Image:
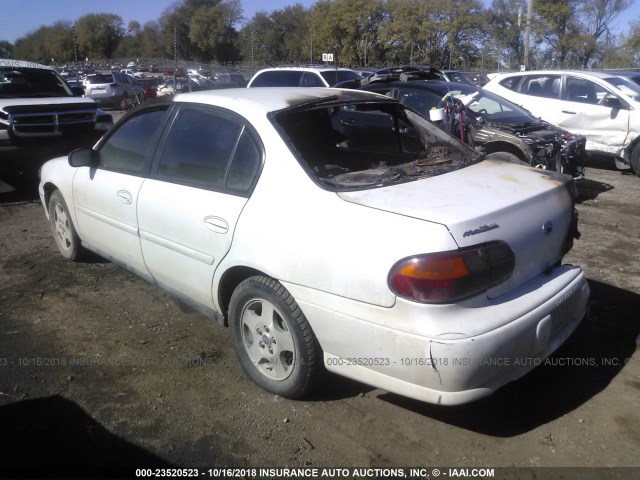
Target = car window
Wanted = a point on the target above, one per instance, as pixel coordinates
(459, 77)
(420, 101)
(131, 144)
(246, 164)
(311, 79)
(547, 86)
(494, 108)
(582, 90)
(99, 78)
(368, 145)
(199, 148)
(277, 78)
(511, 82)
(627, 87)
(31, 82)
(333, 77)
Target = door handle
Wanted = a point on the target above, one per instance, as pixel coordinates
(570, 113)
(124, 196)
(216, 224)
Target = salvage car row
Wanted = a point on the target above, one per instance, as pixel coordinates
(332, 228)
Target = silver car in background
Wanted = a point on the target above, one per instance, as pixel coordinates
(115, 90)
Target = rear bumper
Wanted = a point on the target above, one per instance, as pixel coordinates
(452, 368)
(107, 99)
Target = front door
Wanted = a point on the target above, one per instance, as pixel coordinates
(106, 195)
(585, 112)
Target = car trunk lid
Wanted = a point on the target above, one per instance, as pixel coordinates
(530, 209)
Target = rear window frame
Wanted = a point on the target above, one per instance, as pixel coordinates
(471, 156)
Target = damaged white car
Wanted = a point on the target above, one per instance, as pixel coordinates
(332, 229)
(602, 106)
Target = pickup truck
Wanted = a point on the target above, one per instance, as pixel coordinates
(42, 117)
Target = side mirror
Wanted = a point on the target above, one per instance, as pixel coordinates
(614, 103)
(83, 157)
(78, 91)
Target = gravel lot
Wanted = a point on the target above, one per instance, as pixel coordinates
(100, 370)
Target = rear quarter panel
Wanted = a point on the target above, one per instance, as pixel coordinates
(295, 231)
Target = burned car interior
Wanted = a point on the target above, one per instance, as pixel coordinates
(366, 145)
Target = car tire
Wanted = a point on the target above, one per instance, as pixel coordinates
(64, 233)
(635, 160)
(272, 338)
(125, 103)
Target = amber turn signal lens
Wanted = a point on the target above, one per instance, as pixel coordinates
(449, 276)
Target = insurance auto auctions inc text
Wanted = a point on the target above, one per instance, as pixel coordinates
(428, 473)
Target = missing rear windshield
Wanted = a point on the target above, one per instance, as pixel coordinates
(369, 145)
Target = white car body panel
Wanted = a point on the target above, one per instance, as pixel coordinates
(185, 232)
(107, 218)
(318, 220)
(541, 316)
(333, 253)
(506, 207)
(607, 130)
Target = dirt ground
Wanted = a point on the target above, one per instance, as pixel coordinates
(103, 372)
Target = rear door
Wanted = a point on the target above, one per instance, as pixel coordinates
(188, 208)
(540, 94)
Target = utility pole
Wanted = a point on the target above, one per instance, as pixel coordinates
(527, 32)
(175, 59)
(75, 48)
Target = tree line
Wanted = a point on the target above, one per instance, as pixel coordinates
(459, 34)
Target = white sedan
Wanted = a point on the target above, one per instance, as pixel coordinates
(332, 229)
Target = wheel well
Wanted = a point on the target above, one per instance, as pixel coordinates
(49, 188)
(631, 146)
(228, 283)
(505, 147)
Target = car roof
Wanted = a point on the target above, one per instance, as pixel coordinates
(557, 72)
(270, 99)
(8, 62)
(439, 86)
(621, 73)
(303, 68)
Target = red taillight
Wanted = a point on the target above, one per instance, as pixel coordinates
(449, 276)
